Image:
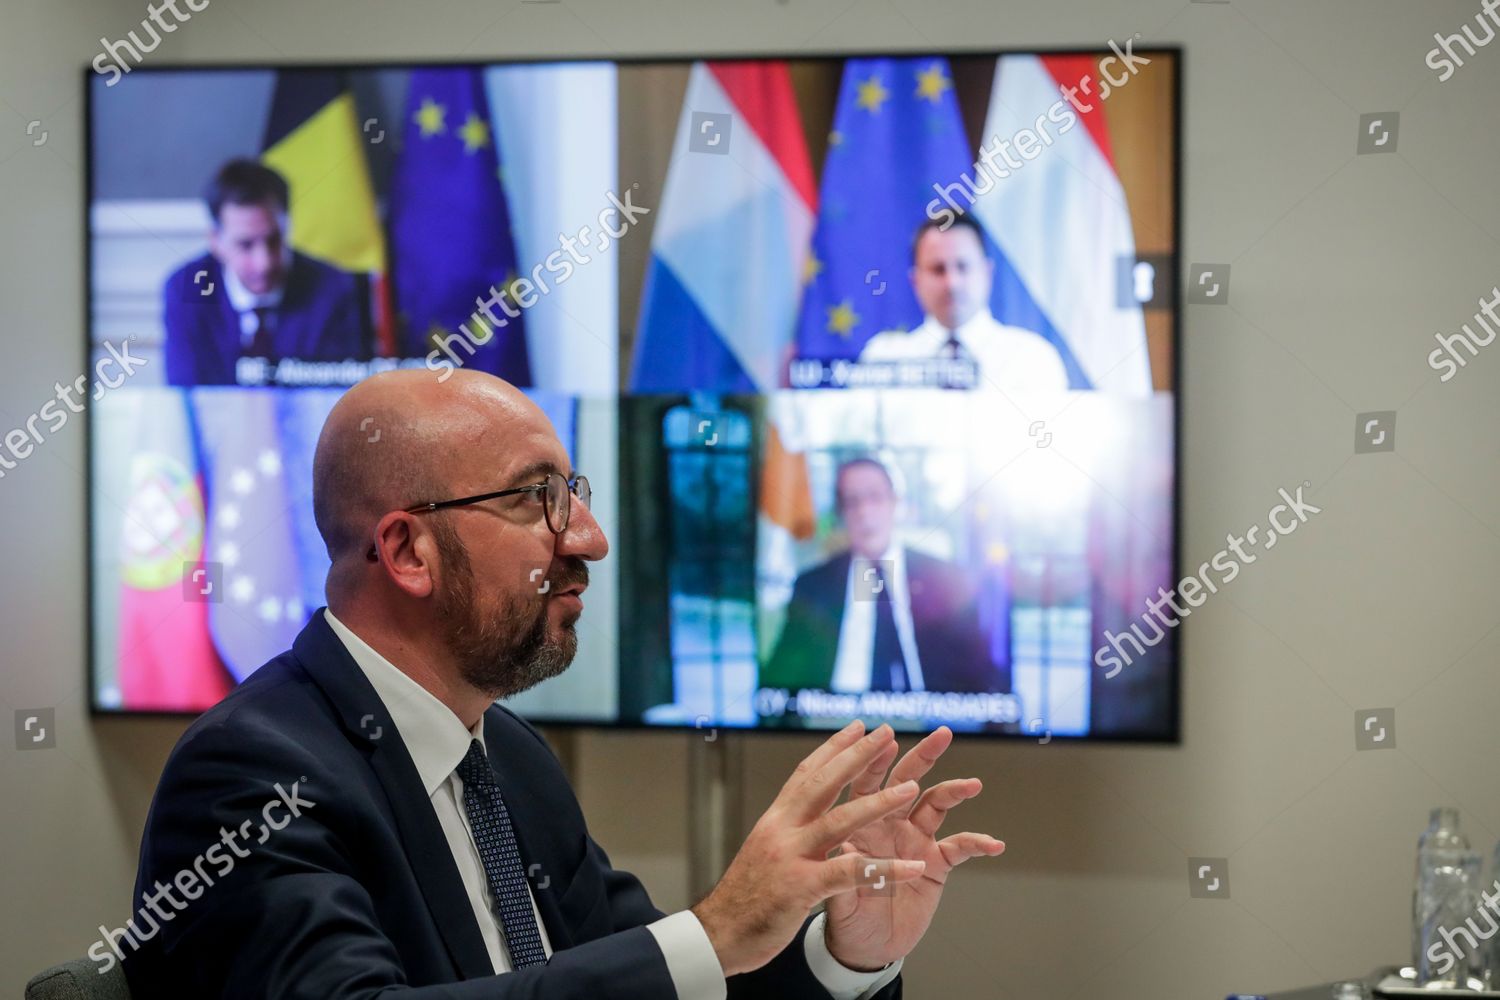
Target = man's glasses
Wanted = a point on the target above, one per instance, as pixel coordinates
(556, 499)
(556, 502)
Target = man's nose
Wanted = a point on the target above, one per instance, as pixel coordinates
(583, 537)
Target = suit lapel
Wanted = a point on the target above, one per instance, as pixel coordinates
(834, 592)
(366, 721)
(289, 317)
(224, 334)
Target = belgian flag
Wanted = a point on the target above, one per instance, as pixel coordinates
(315, 141)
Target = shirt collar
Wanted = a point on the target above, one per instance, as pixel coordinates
(976, 324)
(243, 299)
(892, 554)
(434, 736)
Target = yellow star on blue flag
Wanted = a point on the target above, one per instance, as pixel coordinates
(899, 132)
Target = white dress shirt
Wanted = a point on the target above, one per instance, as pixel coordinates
(245, 302)
(437, 742)
(1009, 358)
(856, 652)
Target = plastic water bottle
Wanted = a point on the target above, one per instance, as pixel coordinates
(1442, 831)
(1490, 974)
(1446, 877)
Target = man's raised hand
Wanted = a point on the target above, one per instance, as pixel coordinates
(867, 929)
(783, 869)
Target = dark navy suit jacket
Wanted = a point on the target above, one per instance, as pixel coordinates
(359, 896)
(321, 318)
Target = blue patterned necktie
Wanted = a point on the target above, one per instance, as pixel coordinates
(496, 840)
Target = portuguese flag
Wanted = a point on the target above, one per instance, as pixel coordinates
(165, 655)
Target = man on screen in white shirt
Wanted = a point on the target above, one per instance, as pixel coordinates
(952, 276)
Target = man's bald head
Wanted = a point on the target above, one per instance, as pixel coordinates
(478, 600)
(399, 439)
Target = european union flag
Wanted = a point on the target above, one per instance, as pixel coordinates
(251, 537)
(450, 229)
(896, 132)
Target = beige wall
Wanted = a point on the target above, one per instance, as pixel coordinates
(1343, 269)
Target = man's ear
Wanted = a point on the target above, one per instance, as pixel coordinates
(215, 244)
(407, 553)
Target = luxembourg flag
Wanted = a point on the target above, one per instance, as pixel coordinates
(732, 237)
(1062, 224)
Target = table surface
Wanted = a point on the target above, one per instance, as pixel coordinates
(1324, 991)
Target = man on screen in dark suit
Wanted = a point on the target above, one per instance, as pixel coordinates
(880, 617)
(359, 819)
(251, 295)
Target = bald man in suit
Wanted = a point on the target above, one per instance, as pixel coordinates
(360, 819)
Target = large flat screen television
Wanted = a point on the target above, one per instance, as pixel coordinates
(871, 361)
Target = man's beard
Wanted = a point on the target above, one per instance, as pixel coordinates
(502, 650)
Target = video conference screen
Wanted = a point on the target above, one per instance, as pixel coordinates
(869, 362)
